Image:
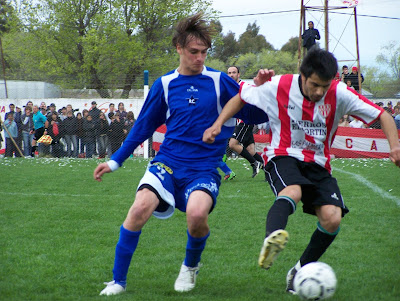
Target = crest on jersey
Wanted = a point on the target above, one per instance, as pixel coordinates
(325, 110)
(192, 100)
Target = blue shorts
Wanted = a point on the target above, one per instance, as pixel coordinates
(174, 184)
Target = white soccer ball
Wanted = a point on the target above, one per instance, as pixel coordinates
(315, 281)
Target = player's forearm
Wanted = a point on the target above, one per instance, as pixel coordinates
(389, 129)
(234, 105)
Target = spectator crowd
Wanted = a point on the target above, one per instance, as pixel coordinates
(87, 134)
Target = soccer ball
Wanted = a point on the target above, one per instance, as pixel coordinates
(315, 281)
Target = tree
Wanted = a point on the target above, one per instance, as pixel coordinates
(391, 58)
(291, 46)
(252, 42)
(100, 44)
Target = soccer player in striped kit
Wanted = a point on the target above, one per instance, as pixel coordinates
(184, 172)
(304, 111)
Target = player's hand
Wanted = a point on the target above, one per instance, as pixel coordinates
(263, 76)
(100, 170)
(395, 155)
(210, 134)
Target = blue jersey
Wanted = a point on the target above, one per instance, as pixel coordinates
(188, 105)
(39, 120)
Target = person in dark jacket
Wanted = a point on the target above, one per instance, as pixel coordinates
(102, 131)
(353, 76)
(116, 132)
(70, 128)
(89, 129)
(310, 35)
(55, 131)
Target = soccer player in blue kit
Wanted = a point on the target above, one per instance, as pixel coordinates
(184, 173)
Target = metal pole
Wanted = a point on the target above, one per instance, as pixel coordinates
(300, 32)
(326, 26)
(147, 144)
(4, 68)
(357, 49)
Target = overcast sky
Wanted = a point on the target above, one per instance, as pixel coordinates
(280, 27)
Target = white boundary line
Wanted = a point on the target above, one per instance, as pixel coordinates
(370, 185)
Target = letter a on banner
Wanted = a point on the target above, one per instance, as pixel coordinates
(374, 146)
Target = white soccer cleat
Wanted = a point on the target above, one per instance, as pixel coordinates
(112, 288)
(186, 279)
(272, 246)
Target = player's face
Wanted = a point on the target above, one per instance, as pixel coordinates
(314, 87)
(233, 73)
(192, 57)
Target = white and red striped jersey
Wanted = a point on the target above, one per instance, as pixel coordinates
(303, 129)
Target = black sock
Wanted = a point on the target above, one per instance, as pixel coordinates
(245, 154)
(320, 241)
(33, 150)
(259, 158)
(278, 214)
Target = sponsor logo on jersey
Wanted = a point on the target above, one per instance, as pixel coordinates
(192, 89)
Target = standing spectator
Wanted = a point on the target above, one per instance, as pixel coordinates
(345, 73)
(309, 36)
(17, 119)
(27, 130)
(52, 109)
(43, 107)
(55, 132)
(39, 123)
(11, 106)
(89, 128)
(358, 124)
(70, 129)
(121, 111)
(11, 133)
(102, 135)
(129, 122)
(353, 76)
(62, 113)
(116, 132)
(390, 107)
(94, 111)
(80, 135)
(344, 121)
(111, 109)
(397, 117)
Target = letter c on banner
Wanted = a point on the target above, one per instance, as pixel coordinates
(349, 143)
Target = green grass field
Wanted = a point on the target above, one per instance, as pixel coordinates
(59, 229)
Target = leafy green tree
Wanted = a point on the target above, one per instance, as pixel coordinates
(251, 41)
(98, 44)
(391, 58)
(380, 83)
(291, 46)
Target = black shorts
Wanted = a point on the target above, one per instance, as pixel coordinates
(318, 187)
(244, 134)
(38, 133)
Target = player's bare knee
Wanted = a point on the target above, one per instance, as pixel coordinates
(329, 217)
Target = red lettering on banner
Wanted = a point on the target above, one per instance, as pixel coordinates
(3, 109)
(349, 143)
(373, 145)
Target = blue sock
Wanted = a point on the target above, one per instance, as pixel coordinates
(194, 248)
(126, 246)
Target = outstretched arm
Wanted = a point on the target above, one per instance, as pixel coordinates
(390, 130)
(231, 108)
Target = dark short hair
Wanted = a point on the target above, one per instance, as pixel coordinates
(345, 66)
(192, 27)
(320, 62)
(238, 70)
